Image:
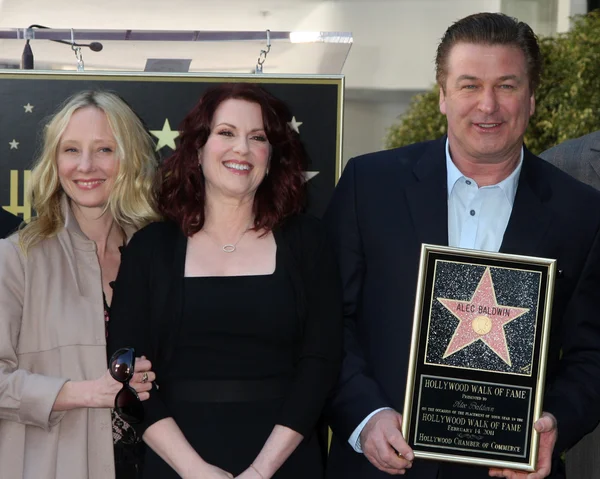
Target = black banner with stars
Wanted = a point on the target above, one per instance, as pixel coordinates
(28, 99)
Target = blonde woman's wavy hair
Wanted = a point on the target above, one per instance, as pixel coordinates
(132, 201)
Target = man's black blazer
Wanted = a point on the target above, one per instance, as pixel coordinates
(385, 206)
(8, 223)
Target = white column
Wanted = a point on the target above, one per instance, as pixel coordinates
(566, 9)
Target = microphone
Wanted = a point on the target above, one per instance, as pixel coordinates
(27, 56)
(94, 46)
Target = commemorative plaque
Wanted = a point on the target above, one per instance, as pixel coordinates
(478, 356)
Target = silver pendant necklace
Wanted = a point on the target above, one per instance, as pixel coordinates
(229, 247)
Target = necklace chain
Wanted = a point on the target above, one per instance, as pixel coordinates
(229, 247)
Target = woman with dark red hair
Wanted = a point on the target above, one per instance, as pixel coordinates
(235, 299)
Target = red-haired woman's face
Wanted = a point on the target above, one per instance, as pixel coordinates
(236, 155)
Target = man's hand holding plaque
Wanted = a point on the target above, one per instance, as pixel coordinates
(546, 426)
(383, 444)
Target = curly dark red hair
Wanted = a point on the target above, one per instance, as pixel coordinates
(282, 193)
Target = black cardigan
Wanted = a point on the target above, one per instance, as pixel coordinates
(146, 311)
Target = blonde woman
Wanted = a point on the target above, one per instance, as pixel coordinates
(92, 188)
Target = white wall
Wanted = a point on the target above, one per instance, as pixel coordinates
(568, 8)
(541, 15)
(394, 40)
(367, 117)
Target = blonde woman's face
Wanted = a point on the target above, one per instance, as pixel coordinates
(87, 161)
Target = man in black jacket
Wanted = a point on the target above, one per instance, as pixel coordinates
(476, 188)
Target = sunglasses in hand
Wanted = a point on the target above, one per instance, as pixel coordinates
(127, 402)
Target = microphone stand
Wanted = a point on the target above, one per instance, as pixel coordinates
(27, 62)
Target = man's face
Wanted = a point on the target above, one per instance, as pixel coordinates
(487, 102)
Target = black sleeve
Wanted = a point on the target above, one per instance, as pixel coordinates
(357, 394)
(319, 360)
(130, 322)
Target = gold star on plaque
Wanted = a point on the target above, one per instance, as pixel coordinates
(14, 145)
(28, 108)
(166, 136)
(295, 125)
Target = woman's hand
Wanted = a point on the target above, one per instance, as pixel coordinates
(208, 471)
(250, 473)
(106, 388)
(143, 377)
(101, 392)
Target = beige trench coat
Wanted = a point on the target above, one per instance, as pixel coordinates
(51, 331)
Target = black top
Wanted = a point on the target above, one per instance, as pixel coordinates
(148, 303)
(237, 328)
(8, 223)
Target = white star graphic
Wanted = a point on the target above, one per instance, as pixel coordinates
(309, 175)
(166, 136)
(14, 145)
(28, 108)
(295, 125)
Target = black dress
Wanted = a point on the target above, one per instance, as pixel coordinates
(230, 371)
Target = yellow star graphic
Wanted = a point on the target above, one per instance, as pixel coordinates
(166, 136)
(28, 108)
(14, 145)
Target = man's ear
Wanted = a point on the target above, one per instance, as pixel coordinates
(442, 100)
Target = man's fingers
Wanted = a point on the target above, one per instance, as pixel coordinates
(394, 472)
(382, 466)
(390, 460)
(382, 442)
(546, 423)
(384, 455)
(396, 440)
(506, 473)
(543, 470)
